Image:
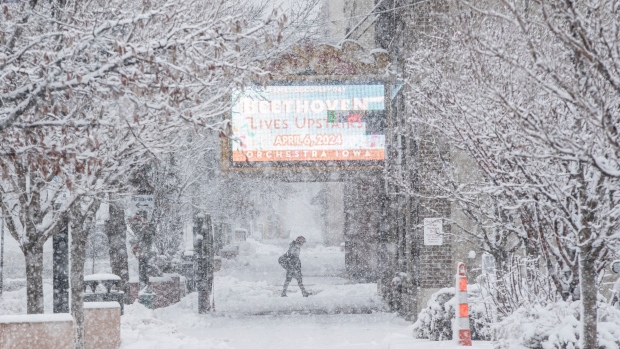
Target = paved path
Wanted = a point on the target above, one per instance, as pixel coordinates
(252, 284)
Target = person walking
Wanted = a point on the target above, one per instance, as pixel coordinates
(291, 262)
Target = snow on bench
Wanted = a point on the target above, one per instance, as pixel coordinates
(102, 277)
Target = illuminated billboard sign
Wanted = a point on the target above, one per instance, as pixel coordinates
(309, 123)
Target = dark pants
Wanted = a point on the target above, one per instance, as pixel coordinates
(290, 274)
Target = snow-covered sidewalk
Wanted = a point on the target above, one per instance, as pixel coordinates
(179, 327)
(238, 297)
(252, 284)
(250, 313)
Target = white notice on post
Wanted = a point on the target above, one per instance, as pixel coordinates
(433, 232)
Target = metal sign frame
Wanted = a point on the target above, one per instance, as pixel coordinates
(293, 166)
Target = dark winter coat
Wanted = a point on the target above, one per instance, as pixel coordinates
(290, 260)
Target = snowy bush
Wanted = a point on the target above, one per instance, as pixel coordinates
(554, 326)
(435, 321)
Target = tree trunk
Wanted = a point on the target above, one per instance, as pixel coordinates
(60, 244)
(34, 278)
(78, 258)
(589, 311)
(116, 230)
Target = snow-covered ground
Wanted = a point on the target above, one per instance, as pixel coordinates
(14, 302)
(252, 283)
(251, 314)
(179, 327)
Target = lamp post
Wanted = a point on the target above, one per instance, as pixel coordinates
(615, 291)
(199, 264)
(2, 256)
(142, 250)
(203, 249)
(145, 230)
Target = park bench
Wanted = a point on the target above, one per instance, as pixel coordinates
(111, 293)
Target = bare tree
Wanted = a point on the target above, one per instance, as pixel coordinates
(526, 90)
(91, 91)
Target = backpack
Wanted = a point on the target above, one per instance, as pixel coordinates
(285, 261)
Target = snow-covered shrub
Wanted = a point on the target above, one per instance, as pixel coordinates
(435, 321)
(608, 326)
(395, 292)
(554, 326)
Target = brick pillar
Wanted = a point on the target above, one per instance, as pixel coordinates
(363, 213)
